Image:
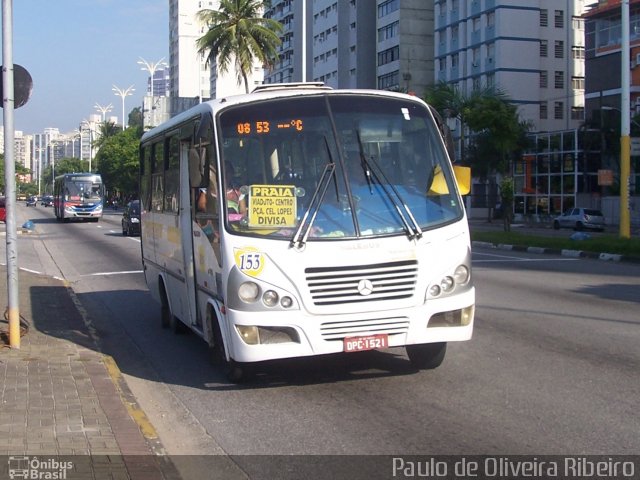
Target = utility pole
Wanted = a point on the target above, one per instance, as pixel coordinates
(13, 307)
(625, 125)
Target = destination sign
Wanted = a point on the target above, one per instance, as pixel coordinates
(264, 127)
(272, 206)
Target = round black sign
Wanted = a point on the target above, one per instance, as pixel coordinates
(22, 86)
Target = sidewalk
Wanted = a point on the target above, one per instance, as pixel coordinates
(60, 398)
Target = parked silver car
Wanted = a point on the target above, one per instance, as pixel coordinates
(580, 219)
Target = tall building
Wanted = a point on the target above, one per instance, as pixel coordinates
(192, 79)
(532, 50)
(289, 65)
(188, 69)
(405, 45)
(161, 83)
(338, 49)
(603, 39)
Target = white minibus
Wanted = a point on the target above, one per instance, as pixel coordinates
(300, 220)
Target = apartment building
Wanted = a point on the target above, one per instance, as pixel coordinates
(188, 70)
(533, 50)
(351, 45)
(192, 77)
(603, 37)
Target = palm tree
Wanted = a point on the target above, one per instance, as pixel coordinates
(450, 102)
(237, 33)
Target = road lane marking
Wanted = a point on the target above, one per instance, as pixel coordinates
(503, 258)
(125, 272)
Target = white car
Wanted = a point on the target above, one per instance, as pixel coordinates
(580, 219)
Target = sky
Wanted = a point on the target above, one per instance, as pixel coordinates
(77, 50)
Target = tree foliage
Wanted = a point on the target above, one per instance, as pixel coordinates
(20, 170)
(62, 166)
(237, 34)
(493, 123)
(500, 134)
(106, 129)
(118, 162)
(135, 118)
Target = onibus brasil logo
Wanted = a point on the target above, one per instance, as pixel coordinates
(34, 468)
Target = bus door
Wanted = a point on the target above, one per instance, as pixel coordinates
(186, 227)
(205, 225)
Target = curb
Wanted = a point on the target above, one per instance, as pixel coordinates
(610, 257)
(134, 409)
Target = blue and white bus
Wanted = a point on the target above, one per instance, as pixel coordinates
(79, 196)
(300, 220)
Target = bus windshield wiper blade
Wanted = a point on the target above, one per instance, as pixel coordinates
(413, 228)
(302, 233)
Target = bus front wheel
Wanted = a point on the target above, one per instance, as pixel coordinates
(236, 372)
(427, 356)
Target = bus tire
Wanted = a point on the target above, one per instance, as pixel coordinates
(165, 311)
(168, 319)
(427, 356)
(236, 372)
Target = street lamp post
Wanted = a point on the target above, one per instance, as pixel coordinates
(86, 126)
(123, 94)
(76, 135)
(103, 109)
(152, 68)
(52, 143)
(39, 151)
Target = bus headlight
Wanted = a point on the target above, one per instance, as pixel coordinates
(453, 318)
(286, 302)
(461, 275)
(270, 298)
(249, 334)
(248, 292)
(434, 290)
(255, 335)
(449, 283)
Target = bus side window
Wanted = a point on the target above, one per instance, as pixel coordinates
(206, 203)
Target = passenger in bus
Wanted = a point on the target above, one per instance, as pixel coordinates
(236, 200)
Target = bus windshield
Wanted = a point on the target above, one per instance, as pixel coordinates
(388, 171)
(82, 190)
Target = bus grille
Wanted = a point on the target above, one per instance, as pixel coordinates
(362, 283)
(338, 330)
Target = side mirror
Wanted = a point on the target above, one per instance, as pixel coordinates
(438, 184)
(463, 179)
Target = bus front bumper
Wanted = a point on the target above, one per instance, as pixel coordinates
(273, 335)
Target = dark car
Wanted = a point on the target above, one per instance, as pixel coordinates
(32, 201)
(47, 201)
(131, 218)
(3, 210)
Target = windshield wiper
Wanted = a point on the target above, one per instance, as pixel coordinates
(302, 232)
(413, 229)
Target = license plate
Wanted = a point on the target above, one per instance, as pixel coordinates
(359, 344)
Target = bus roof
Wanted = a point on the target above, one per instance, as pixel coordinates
(265, 92)
(79, 174)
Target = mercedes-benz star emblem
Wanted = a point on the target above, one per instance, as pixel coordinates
(365, 287)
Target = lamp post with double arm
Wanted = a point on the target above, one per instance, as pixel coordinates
(123, 93)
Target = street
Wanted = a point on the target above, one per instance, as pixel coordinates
(552, 367)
